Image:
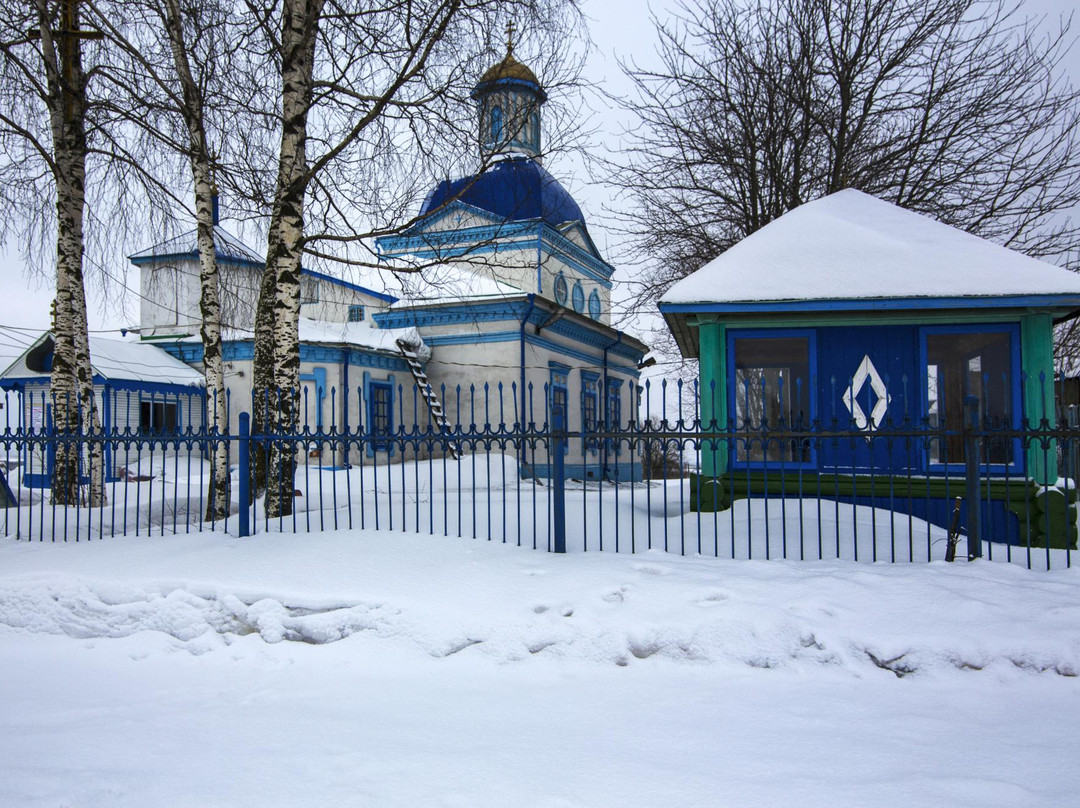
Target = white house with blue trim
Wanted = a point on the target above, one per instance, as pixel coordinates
(140, 390)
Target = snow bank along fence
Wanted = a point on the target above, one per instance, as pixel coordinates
(577, 476)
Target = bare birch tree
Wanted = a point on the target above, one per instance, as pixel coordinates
(173, 49)
(44, 80)
(357, 82)
(191, 109)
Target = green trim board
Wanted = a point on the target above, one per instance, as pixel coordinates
(713, 391)
(1046, 515)
(1037, 363)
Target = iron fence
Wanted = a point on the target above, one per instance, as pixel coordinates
(898, 492)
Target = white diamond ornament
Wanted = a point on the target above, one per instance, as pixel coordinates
(867, 372)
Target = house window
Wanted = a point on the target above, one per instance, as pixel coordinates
(594, 305)
(962, 365)
(560, 396)
(590, 410)
(561, 290)
(772, 391)
(309, 290)
(579, 298)
(380, 406)
(158, 418)
(613, 412)
(614, 404)
(356, 314)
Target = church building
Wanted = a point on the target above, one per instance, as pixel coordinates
(504, 313)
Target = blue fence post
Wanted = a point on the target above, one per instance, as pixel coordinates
(558, 479)
(244, 514)
(971, 457)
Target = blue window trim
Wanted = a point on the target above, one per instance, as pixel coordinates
(595, 309)
(590, 380)
(578, 297)
(374, 445)
(357, 310)
(613, 414)
(560, 380)
(1015, 399)
(810, 335)
(562, 289)
(318, 377)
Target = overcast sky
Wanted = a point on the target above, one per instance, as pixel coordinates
(620, 29)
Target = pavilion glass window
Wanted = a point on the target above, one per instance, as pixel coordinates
(772, 393)
(963, 365)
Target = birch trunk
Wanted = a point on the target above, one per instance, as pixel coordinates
(217, 506)
(75, 410)
(277, 322)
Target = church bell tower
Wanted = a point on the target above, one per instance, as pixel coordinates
(509, 98)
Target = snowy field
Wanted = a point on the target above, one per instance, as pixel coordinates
(357, 668)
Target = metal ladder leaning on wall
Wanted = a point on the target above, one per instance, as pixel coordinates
(427, 392)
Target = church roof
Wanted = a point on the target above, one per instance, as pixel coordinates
(509, 68)
(514, 189)
(227, 247)
(852, 246)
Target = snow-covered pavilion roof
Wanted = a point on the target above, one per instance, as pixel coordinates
(850, 245)
(114, 361)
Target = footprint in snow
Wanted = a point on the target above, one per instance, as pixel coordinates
(616, 595)
(653, 569)
(712, 599)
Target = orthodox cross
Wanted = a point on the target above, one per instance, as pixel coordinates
(510, 29)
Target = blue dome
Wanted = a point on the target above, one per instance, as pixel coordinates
(514, 189)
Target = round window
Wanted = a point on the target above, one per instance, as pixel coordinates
(560, 290)
(594, 305)
(579, 297)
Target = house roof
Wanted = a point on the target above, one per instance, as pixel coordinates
(112, 360)
(852, 246)
(229, 248)
(226, 245)
(13, 344)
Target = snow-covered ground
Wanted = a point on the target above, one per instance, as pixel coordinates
(363, 668)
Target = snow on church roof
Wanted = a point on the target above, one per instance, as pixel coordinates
(115, 361)
(450, 283)
(850, 245)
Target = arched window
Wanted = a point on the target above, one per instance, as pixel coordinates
(560, 290)
(594, 305)
(496, 124)
(579, 298)
(534, 130)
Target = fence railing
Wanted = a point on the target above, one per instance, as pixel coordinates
(902, 492)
